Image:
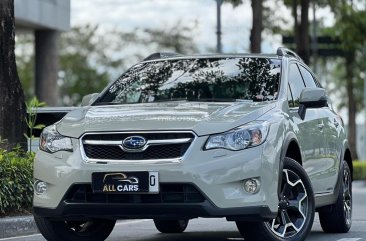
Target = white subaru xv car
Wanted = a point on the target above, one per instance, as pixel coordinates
(252, 138)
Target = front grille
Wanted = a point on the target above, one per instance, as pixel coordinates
(169, 193)
(153, 152)
(164, 150)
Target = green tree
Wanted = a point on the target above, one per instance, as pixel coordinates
(177, 38)
(91, 57)
(85, 65)
(350, 28)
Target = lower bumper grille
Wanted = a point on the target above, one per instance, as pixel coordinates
(169, 193)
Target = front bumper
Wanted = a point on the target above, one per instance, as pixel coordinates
(218, 174)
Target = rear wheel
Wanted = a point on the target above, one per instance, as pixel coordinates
(171, 226)
(295, 210)
(90, 230)
(337, 218)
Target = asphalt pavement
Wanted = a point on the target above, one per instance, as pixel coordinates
(221, 230)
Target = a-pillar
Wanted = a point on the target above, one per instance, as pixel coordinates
(47, 66)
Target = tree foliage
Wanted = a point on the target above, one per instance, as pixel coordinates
(350, 28)
(91, 57)
(235, 3)
(16, 182)
(178, 38)
(84, 63)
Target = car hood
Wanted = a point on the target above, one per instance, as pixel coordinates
(201, 117)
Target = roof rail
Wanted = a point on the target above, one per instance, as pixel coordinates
(282, 51)
(160, 55)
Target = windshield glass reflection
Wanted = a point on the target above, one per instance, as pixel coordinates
(215, 79)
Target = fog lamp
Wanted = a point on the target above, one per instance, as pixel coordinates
(40, 187)
(252, 185)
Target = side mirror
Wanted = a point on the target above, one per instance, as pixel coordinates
(312, 98)
(88, 99)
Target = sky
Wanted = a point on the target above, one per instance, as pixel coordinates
(131, 14)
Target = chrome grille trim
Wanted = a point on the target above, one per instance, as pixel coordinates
(109, 143)
(149, 143)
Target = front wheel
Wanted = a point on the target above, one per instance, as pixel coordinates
(171, 226)
(84, 230)
(296, 209)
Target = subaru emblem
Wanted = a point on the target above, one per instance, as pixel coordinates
(134, 142)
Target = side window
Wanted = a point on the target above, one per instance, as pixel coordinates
(308, 77)
(296, 84)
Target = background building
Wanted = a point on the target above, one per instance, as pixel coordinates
(46, 19)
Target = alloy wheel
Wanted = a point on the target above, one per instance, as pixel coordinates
(293, 206)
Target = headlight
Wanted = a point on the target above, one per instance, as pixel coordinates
(51, 141)
(249, 135)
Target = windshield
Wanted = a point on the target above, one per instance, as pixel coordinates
(200, 79)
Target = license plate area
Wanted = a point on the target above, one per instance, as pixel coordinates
(125, 182)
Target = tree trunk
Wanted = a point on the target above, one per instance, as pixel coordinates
(303, 47)
(12, 107)
(352, 138)
(256, 32)
(296, 24)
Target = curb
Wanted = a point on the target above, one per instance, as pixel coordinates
(17, 226)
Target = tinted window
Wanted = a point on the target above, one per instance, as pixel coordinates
(255, 79)
(296, 84)
(308, 77)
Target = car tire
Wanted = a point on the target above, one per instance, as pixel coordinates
(337, 218)
(91, 230)
(171, 226)
(296, 209)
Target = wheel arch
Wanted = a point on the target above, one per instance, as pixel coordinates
(291, 149)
